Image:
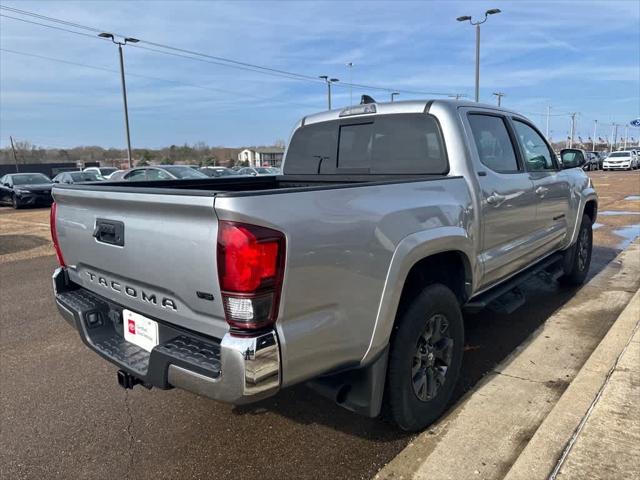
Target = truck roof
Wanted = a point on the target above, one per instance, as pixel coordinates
(403, 106)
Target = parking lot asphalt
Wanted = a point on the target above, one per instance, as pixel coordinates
(64, 416)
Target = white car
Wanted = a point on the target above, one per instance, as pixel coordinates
(103, 173)
(624, 160)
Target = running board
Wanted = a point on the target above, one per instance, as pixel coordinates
(483, 300)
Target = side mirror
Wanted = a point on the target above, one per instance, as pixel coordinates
(571, 158)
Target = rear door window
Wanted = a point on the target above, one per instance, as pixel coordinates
(493, 143)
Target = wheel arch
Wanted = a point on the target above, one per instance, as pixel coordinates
(443, 255)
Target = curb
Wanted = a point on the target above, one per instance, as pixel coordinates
(554, 438)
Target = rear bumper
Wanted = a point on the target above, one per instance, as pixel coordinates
(234, 370)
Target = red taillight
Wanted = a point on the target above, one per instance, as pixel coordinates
(54, 233)
(250, 271)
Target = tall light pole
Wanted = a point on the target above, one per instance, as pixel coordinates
(548, 115)
(350, 65)
(124, 86)
(499, 96)
(393, 95)
(464, 18)
(329, 81)
(595, 132)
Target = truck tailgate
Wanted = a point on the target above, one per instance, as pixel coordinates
(166, 265)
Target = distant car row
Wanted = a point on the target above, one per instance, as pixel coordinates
(34, 189)
(621, 160)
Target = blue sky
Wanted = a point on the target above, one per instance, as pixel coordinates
(576, 56)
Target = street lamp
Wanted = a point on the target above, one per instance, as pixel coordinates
(329, 81)
(393, 95)
(124, 86)
(465, 18)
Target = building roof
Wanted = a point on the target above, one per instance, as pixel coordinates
(266, 149)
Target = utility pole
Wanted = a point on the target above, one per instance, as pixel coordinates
(595, 130)
(615, 137)
(13, 148)
(124, 86)
(477, 24)
(611, 149)
(573, 129)
(499, 96)
(626, 134)
(548, 115)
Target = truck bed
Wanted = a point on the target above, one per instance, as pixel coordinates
(241, 186)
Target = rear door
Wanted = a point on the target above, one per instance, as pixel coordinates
(163, 264)
(551, 186)
(508, 203)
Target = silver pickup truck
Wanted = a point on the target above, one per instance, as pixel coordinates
(350, 271)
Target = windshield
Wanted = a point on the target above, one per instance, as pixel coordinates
(30, 179)
(184, 172)
(84, 176)
(263, 170)
(620, 154)
(104, 171)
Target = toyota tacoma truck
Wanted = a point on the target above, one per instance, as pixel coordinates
(350, 271)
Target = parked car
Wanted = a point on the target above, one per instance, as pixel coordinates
(77, 177)
(597, 159)
(255, 171)
(218, 171)
(350, 271)
(25, 189)
(161, 172)
(590, 160)
(621, 160)
(103, 173)
(116, 176)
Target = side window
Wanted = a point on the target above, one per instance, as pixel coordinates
(493, 143)
(137, 176)
(153, 174)
(537, 155)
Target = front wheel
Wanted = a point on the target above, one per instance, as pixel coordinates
(578, 257)
(14, 202)
(425, 358)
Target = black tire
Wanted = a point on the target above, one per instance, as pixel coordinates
(410, 406)
(14, 202)
(578, 257)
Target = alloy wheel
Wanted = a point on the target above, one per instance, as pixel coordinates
(434, 352)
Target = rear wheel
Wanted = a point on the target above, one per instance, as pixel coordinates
(578, 257)
(425, 358)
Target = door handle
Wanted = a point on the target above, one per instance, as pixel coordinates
(541, 191)
(495, 199)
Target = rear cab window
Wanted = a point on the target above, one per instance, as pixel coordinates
(394, 144)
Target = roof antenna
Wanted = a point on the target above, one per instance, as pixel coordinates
(365, 99)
